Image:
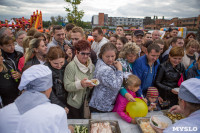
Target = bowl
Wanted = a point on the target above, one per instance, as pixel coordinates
(158, 122)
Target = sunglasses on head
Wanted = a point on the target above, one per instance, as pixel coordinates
(83, 53)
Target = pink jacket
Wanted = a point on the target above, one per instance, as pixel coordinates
(120, 106)
(21, 63)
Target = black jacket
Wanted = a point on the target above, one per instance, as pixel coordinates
(59, 94)
(8, 86)
(32, 61)
(167, 79)
(192, 72)
(12, 59)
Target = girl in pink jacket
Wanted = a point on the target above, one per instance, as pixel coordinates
(131, 84)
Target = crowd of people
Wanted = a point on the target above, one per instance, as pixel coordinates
(61, 64)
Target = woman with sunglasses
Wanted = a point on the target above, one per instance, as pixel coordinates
(76, 76)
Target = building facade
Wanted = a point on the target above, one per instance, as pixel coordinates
(192, 23)
(104, 20)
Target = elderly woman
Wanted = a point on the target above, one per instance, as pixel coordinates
(191, 55)
(128, 55)
(169, 74)
(109, 73)
(76, 76)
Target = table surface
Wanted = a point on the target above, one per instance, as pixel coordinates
(125, 127)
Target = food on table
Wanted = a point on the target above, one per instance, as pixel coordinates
(80, 129)
(159, 123)
(174, 117)
(101, 127)
(146, 127)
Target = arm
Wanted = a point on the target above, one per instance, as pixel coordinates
(63, 125)
(111, 79)
(159, 78)
(69, 79)
(123, 91)
(121, 110)
(138, 72)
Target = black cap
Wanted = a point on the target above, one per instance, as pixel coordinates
(139, 33)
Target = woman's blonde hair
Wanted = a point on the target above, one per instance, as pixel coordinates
(34, 43)
(193, 43)
(26, 41)
(132, 80)
(129, 48)
(4, 67)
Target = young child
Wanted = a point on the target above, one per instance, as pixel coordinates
(152, 99)
(131, 84)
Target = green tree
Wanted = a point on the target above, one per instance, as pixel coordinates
(74, 16)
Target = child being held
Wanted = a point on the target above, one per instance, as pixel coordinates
(131, 84)
(152, 99)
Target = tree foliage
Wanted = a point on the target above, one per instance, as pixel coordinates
(74, 16)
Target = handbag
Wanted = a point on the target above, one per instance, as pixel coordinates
(86, 108)
(180, 80)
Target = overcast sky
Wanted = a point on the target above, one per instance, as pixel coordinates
(114, 8)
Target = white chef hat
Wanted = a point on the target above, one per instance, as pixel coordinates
(190, 90)
(36, 78)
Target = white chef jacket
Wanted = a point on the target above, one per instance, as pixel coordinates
(44, 118)
(190, 124)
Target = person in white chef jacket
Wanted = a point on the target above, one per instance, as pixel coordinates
(32, 111)
(189, 106)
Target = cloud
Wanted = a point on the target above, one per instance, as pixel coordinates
(117, 8)
(169, 9)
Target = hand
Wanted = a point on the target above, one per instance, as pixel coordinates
(118, 65)
(145, 100)
(175, 109)
(174, 92)
(69, 52)
(16, 75)
(160, 100)
(71, 128)
(129, 97)
(66, 110)
(66, 47)
(85, 83)
(133, 121)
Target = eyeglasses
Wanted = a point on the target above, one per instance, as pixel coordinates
(83, 53)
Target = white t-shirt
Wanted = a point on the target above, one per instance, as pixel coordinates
(96, 46)
(19, 48)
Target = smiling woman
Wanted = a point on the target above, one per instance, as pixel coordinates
(169, 74)
(56, 62)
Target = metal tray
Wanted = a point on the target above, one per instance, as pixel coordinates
(142, 119)
(114, 125)
(165, 112)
